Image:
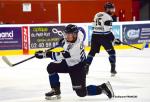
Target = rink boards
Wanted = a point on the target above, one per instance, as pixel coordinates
(18, 39)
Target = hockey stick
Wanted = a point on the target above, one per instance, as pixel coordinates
(143, 45)
(5, 59)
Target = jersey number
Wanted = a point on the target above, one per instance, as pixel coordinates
(98, 21)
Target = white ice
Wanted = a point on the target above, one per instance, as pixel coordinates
(28, 82)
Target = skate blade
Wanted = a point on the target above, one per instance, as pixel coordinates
(53, 97)
(113, 75)
(110, 88)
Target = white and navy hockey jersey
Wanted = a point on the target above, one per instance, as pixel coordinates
(102, 23)
(73, 52)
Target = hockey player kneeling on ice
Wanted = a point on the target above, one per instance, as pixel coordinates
(71, 61)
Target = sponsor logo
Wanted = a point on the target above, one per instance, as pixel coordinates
(7, 35)
(55, 31)
(133, 34)
(25, 40)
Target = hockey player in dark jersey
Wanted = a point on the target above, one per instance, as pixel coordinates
(71, 61)
(103, 36)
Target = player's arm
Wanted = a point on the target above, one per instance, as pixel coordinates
(52, 55)
(58, 55)
(75, 53)
(107, 20)
(45, 54)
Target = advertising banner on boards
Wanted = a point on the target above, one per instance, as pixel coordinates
(136, 33)
(45, 36)
(10, 38)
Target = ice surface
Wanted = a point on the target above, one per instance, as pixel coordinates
(28, 82)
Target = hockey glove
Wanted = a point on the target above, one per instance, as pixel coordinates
(40, 54)
(117, 41)
(49, 54)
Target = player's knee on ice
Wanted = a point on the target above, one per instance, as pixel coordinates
(90, 90)
(81, 92)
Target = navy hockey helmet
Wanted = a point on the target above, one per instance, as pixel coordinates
(109, 5)
(71, 29)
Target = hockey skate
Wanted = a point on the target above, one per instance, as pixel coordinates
(113, 71)
(107, 89)
(54, 94)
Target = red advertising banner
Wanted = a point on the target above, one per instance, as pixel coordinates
(25, 40)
